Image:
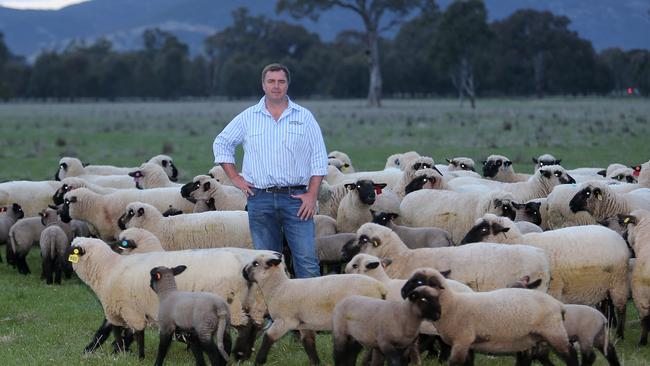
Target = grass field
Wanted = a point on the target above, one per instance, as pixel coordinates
(50, 325)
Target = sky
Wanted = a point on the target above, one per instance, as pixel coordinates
(38, 4)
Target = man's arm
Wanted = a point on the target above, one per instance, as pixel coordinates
(237, 180)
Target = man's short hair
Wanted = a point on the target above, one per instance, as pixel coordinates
(276, 67)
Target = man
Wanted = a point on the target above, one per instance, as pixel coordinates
(284, 163)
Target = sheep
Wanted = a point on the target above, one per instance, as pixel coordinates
(354, 209)
(203, 314)
(211, 229)
(413, 237)
(544, 160)
(136, 240)
(328, 250)
(398, 161)
(390, 177)
(584, 325)
(219, 197)
(601, 202)
(72, 183)
(557, 214)
(391, 327)
(104, 271)
(324, 225)
(460, 163)
(501, 321)
(499, 168)
(624, 174)
(426, 179)
(338, 164)
(8, 216)
(220, 175)
(33, 197)
(150, 175)
(526, 227)
(23, 235)
(589, 264)
(641, 173)
(346, 166)
(473, 265)
(54, 243)
(423, 162)
(452, 211)
(637, 224)
(103, 211)
(329, 198)
(304, 304)
(72, 167)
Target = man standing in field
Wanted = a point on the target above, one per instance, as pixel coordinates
(284, 163)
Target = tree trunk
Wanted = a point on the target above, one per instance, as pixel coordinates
(538, 70)
(374, 89)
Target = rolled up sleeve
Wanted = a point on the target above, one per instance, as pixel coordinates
(318, 161)
(226, 142)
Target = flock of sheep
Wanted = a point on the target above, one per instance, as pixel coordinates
(437, 258)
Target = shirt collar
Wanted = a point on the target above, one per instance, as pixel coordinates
(261, 106)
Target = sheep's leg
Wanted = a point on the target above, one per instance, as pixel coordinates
(376, 357)
(523, 359)
(100, 336)
(588, 358)
(267, 342)
(564, 349)
(57, 272)
(245, 340)
(346, 350)
(163, 346)
(46, 271)
(458, 354)
(645, 327)
(620, 316)
(445, 350)
(308, 339)
(118, 344)
(196, 350)
(395, 358)
(139, 340)
(21, 264)
(610, 355)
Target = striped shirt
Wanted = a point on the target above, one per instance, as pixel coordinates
(283, 153)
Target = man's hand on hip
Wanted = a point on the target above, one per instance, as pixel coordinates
(308, 207)
(242, 184)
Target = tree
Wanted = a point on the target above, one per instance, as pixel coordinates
(371, 12)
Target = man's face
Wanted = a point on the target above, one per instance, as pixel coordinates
(275, 85)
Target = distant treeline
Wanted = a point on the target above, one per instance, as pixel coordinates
(434, 54)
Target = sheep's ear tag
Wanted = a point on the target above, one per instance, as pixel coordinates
(377, 190)
(599, 196)
(626, 221)
(157, 276)
(124, 244)
(375, 243)
(74, 257)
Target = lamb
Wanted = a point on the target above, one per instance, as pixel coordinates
(601, 202)
(54, 243)
(103, 211)
(529, 212)
(637, 224)
(413, 237)
(584, 325)
(328, 250)
(391, 327)
(499, 168)
(204, 315)
(304, 304)
(150, 175)
(72, 167)
(343, 158)
(589, 264)
(544, 160)
(211, 229)
(33, 197)
(557, 214)
(501, 321)
(354, 209)
(452, 211)
(473, 265)
(215, 270)
(218, 197)
(398, 161)
(9, 216)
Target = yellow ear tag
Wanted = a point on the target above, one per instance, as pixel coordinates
(627, 220)
(599, 197)
(375, 243)
(73, 258)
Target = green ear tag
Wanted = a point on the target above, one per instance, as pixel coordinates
(124, 243)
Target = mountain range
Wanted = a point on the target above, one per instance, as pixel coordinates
(606, 23)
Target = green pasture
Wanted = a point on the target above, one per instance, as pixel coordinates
(50, 325)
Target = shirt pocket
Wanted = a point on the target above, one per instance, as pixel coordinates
(295, 137)
(255, 139)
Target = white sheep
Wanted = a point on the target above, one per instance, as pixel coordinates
(452, 211)
(217, 196)
(460, 163)
(354, 209)
(624, 175)
(346, 166)
(589, 263)
(220, 175)
(501, 321)
(408, 174)
(473, 265)
(499, 168)
(304, 304)
(103, 211)
(149, 175)
(390, 177)
(71, 183)
(33, 197)
(426, 179)
(557, 214)
(601, 201)
(398, 161)
(210, 229)
(72, 167)
(544, 160)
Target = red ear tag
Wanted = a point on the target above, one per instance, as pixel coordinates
(636, 171)
(157, 276)
(377, 190)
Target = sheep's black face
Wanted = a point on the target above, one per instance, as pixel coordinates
(259, 264)
(125, 218)
(561, 176)
(506, 208)
(418, 166)
(491, 167)
(64, 211)
(137, 178)
(174, 176)
(18, 211)
(123, 246)
(366, 191)
(351, 248)
(531, 212)
(172, 211)
(419, 278)
(188, 188)
(426, 299)
(477, 233)
(580, 201)
(420, 182)
(62, 167)
(382, 218)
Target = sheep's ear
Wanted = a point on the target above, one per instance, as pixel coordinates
(535, 160)
(385, 262)
(498, 228)
(273, 262)
(394, 215)
(73, 199)
(497, 203)
(446, 273)
(598, 194)
(534, 284)
(602, 172)
(372, 265)
(507, 163)
(518, 206)
(164, 163)
(178, 269)
(484, 162)
(42, 214)
(210, 174)
(558, 161)
(141, 211)
(350, 186)
(448, 161)
(85, 164)
(545, 173)
(626, 219)
(206, 186)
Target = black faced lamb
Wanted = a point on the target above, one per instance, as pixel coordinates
(304, 304)
(500, 321)
(203, 315)
(391, 327)
(413, 237)
(54, 243)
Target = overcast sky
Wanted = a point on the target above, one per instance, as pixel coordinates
(38, 4)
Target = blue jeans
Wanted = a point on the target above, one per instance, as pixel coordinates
(272, 214)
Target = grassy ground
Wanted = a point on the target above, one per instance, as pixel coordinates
(42, 324)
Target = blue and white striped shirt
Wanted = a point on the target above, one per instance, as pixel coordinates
(283, 153)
